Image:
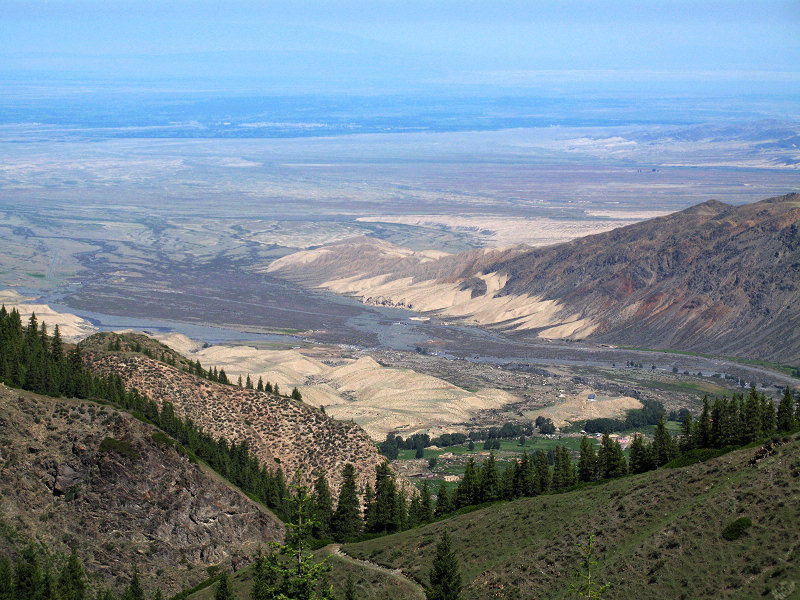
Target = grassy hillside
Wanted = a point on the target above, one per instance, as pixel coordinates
(658, 535)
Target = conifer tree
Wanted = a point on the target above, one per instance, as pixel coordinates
(134, 590)
(611, 459)
(289, 571)
(323, 508)
(786, 419)
(703, 435)
(347, 523)
(587, 461)
(6, 579)
(260, 386)
(248, 384)
(28, 576)
(445, 574)
(385, 512)
(687, 434)
(239, 382)
(268, 387)
(524, 477)
(489, 480)
(72, 580)
(768, 421)
(663, 444)
(542, 475)
(425, 503)
(751, 418)
(443, 502)
(468, 488)
(296, 395)
(276, 390)
(640, 456)
(223, 590)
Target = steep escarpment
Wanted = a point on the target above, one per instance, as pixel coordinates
(75, 474)
(713, 278)
(279, 430)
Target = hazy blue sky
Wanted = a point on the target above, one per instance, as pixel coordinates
(725, 47)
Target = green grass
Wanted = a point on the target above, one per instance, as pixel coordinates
(786, 369)
(658, 535)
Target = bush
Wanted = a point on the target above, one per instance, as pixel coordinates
(736, 529)
(694, 456)
(120, 447)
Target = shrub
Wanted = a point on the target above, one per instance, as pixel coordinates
(120, 447)
(736, 529)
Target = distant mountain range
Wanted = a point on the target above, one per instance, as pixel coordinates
(713, 278)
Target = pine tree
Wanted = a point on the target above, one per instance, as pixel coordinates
(542, 475)
(134, 590)
(663, 444)
(611, 459)
(6, 579)
(28, 576)
(296, 395)
(347, 523)
(524, 483)
(223, 590)
(752, 417)
(260, 386)
(268, 387)
(72, 580)
(703, 431)
(248, 384)
(468, 488)
(323, 508)
(425, 503)
(443, 502)
(239, 382)
(768, 421)
(588, 587)
(587, 461)
(385, 512)
(445, 575)
(489, 480)
(640, 456)
(786, 420)
(687, 434)
(289, 571)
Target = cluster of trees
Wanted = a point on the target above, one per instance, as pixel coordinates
(739, 420)
(649, 414)
(419, 441)
(37, 575)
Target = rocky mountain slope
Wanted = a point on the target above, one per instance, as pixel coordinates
(714, 278)
(280, 431)
(75, 474)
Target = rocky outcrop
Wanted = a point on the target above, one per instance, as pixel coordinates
(74, 474)
(281, 431)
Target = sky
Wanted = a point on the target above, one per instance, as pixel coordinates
(413, 46)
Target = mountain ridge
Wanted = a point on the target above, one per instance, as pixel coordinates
(714, 278)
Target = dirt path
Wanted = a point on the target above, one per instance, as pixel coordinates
(336, 550)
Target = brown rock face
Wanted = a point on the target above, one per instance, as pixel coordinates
(147, 506)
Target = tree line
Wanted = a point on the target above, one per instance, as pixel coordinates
(37, 575)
